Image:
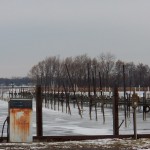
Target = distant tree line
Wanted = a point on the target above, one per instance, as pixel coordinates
(15, 81)
(83, 71)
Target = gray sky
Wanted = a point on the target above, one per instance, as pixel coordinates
(31, 30)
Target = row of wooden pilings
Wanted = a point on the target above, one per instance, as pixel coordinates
(39, 121)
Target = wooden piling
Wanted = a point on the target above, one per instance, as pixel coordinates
(125, 104)
(39, 121)
(115, 112)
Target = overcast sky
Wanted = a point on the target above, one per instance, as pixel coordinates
(31, 30)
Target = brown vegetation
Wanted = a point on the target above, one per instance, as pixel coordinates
(102, 71)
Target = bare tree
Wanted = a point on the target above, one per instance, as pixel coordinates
(52, 71)
(118, 73)
(106, 65)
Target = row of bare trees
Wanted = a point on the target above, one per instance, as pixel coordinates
(102, 70)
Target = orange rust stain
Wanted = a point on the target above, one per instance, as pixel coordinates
(21, 122)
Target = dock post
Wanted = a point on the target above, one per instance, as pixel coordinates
(39, 122)
(115, 112)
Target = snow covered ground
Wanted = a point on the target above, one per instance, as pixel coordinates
(101, 144)
(57, 123)
(61, 123)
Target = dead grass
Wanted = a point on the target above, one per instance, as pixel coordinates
(111, 144)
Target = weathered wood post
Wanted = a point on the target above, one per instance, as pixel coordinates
(89, 92)
(54, 100)
(125, 103)
(144, 106)
(115, 112)
(39, 121)
(135, 101)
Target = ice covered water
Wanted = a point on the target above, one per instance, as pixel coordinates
(61, 123)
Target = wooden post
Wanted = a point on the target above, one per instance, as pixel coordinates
(135, 101)
(115, 112)
(100, 83)
(134, 123)
(73, 91)
(58, 100)
(124, 87)
(54, 100)
(89, 93)
(39, 122)
(103, 112)
(144, 105)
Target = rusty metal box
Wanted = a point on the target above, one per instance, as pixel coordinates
(20, 120)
